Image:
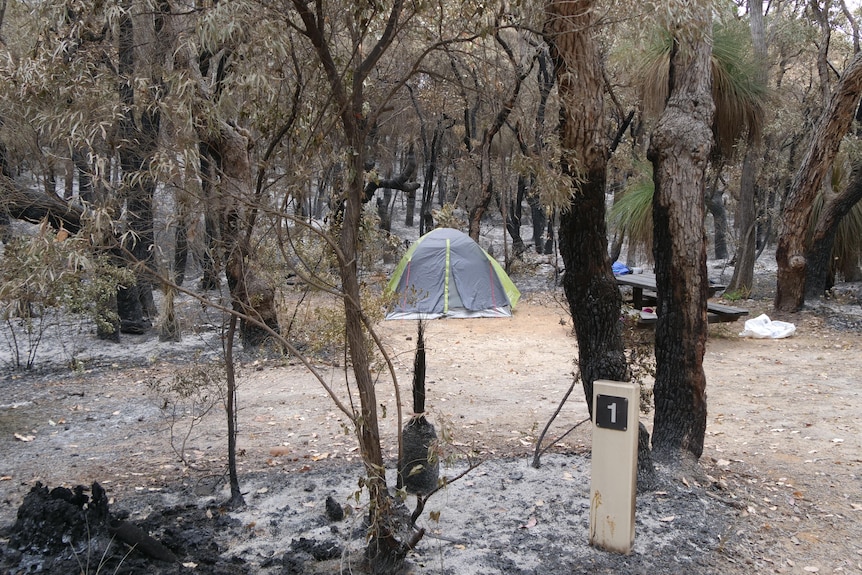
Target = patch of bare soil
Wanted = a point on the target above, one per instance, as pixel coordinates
(779, 491)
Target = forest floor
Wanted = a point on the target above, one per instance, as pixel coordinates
(779, 489)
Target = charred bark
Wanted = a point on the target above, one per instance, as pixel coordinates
(181, 245)
(138, 136)
(826, 138)
(715, 205)
(253, 298)
(37, 206)
(742, 280)
(679, 151)
(591, 290)
(403, 181)
(514, 215)
(418, 466)
(211, 257)
(821, 267)
(524, 186)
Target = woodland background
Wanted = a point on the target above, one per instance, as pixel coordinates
(278, 137)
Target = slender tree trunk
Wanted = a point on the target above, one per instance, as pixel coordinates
(411, 208)
(513, 221)
(181, 244)
(679, 151)
(426, 223)
(236, 498)
(252, 296)
(85, 180)
(540, 220)
(384, 551)
(210, 259)
(426, 219)
(825, 140)
(742, 280)
(715, 205)
(135, 303)
(525, 181)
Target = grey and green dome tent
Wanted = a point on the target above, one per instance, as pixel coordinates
(446, 274)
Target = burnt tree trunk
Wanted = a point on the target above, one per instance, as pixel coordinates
(36, 206)
(181, 243)
(715, 205)
(139, 136)
(85, 179)
(210, 259)
(679, 151)
(426, 222)
(410, 208)
(236, 498)
(426, 218)
(524, 186)
(514, 216)
(742, 280)
(821, 270)
(251, 295)
(538, 214)
(591, 290)
(826, 138)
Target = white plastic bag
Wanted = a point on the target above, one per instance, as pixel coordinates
(762, 327)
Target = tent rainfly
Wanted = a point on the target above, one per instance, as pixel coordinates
(446, 274)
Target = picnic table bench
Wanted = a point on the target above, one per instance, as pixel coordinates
(641, 283)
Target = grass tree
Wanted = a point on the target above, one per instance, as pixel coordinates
(680, 147)
(739, 92)
(835, 236)
(631, 214)
(590, 288)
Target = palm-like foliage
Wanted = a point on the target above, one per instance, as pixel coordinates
(740, 99)
(632, 213)
(848, 239)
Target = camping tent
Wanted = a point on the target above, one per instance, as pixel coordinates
(446, 274)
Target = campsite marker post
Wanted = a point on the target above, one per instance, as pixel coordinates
(613, 483)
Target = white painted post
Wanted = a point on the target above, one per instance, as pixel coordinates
(613, 484)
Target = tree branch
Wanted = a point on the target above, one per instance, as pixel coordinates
(400, 182)
(34, 207)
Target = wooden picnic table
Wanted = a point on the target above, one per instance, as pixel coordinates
(641, 283)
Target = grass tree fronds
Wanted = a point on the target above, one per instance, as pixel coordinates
(740, 97)
(632, 214)
(848, 239)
